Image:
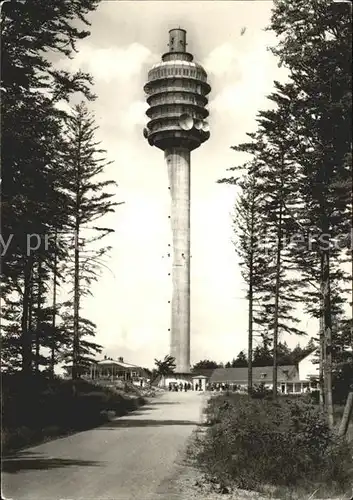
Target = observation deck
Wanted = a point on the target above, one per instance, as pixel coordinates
(176, 93)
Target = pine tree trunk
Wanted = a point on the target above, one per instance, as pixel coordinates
(251, 301)
(351, 242)
(322, 386)
(352, 267)
(250, 338)
(30, 316)
(76, 341)
(38, 325)
(346, 415)
(328, 337)
(53, 324)
(277, 289)
(26, 340)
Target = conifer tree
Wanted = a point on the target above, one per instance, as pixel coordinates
(251, 228)
(33, 206)
(240, 361)
(89, 200)
(250, 231)
(314, 43)
(274, 172)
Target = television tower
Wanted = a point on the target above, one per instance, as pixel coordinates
(176, 94)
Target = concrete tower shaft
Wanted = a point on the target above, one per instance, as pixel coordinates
(178, 163)
(176, 93)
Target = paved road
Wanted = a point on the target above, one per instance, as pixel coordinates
(131, 458)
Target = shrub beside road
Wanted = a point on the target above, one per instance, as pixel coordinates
(257, 444)
(35, 409)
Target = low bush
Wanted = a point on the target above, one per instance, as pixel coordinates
(34, 408)
(256, 442)
(260, 391)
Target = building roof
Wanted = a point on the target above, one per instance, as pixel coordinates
(109, 362)
(309, 353)
(206, 372)
(259, 373)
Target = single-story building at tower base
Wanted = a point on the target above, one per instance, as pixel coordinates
(291, 379)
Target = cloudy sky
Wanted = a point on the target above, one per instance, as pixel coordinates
(130, 302)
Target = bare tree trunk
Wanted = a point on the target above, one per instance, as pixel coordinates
(322, 365)
(352, 259)
(30, 315)
(346, 415)
(250, 320)
(352, 278)
(322, 385)
(53, 324)
(26, 340)
(39, 304)
(328, 337)
(250, 334)
(76, 340)
(277, 289)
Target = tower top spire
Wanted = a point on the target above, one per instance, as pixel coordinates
(177, 40)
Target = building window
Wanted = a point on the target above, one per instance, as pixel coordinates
(290, 388)
(297, 387)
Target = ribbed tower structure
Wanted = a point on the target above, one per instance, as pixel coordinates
(176, 93)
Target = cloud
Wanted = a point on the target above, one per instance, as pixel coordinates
(221, 60)
(108, 64)
(247, 92)
(136, 114)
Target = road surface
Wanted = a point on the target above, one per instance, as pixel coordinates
(135, 457)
